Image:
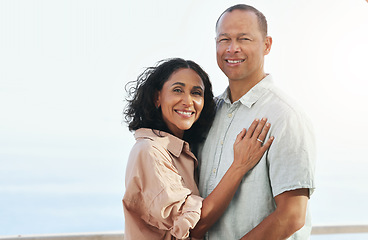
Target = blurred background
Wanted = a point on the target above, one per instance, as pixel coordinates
(64, 64)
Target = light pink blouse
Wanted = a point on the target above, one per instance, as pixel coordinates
(161, 200)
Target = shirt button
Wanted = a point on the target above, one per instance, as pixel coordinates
(230, 115)
(214, 170)
(222, 142)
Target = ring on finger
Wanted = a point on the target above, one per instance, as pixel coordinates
(259, 140)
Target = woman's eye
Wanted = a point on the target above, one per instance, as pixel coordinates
(177, 90)
(198, 93)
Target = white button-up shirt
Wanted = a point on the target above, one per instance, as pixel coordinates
(287, 165)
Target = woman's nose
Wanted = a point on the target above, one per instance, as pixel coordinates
(187, 100)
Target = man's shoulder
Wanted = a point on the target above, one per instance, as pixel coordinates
(218, 101)
(278, 100)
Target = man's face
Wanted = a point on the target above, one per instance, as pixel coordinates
(240, 46)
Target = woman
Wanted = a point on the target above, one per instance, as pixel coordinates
(171, 106)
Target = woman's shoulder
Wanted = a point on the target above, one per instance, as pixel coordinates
(146, 147)
(150, 158)
(149, 148)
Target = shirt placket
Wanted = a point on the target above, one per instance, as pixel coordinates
(227, 120)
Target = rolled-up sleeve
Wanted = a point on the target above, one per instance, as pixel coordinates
(179, 217)
(292, 154)
(169, 204)
(191, 214)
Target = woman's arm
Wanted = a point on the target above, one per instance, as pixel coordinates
(247, 152)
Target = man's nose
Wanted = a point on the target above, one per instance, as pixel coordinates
(233, 47)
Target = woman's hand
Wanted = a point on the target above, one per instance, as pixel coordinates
(250, 145)
(247, 152)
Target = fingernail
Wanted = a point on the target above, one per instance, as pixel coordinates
(267, 124)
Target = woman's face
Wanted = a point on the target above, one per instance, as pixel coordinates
(181, 100)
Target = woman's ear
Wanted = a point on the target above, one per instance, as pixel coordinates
(157, 99)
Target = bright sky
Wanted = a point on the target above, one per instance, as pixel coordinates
(64, 65)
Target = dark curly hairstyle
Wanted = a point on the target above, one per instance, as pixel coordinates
(141, 111)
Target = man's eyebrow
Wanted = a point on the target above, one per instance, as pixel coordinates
(223, 35)
(228, 35)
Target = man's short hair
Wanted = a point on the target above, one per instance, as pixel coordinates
(262, 22)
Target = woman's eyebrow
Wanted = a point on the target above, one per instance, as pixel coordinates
(183, 84)
(178, 83)
(198, 87)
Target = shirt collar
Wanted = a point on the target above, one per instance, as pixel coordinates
(173, 144)
(252, 96)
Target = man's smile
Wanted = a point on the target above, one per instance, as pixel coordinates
(234, 61)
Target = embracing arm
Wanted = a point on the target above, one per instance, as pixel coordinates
(216, 203)
(247, 152)
(289, 217)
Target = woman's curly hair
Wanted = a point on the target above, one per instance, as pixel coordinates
(141, 111)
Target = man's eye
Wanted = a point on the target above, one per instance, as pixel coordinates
(244, 39)
(223, 39)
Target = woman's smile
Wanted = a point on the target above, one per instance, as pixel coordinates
(185, 113)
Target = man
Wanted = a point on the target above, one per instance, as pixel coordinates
(271, 202)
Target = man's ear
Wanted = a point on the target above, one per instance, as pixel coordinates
(268, 44)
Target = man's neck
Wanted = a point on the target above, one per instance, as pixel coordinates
(240, 87)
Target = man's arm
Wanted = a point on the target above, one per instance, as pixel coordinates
(289, 217)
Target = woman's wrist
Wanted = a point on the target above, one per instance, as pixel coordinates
(237, 171)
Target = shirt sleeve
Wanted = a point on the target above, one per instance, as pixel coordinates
(291, 157)
(164, 200)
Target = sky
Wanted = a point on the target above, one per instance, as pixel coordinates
(64, 64)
